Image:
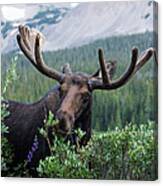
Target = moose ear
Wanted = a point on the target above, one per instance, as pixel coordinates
(66, 69)
(110, 67)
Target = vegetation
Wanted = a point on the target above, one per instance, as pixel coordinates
(128, 153)
(7, 151)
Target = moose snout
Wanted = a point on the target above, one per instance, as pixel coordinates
(66, 121)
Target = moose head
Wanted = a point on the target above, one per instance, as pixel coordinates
(76, 88)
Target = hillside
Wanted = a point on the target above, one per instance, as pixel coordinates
(66, 27)
(91, 21)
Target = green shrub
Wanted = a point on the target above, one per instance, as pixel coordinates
(128, 153)
(7, 169)
(64, 163)
(6, 148)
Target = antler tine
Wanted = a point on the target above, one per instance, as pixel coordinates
(42, 66)
(24, 32)
(29, 42)
(24, 43)
(123, 79)
(143, 59)
(105, 77)
(26, 52)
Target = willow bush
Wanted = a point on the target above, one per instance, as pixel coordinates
(128, 153)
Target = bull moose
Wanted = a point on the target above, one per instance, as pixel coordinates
(70, 101)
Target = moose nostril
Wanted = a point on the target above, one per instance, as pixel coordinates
(71, 119)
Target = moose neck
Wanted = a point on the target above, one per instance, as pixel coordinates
(51, 100)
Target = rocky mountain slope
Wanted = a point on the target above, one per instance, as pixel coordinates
(91, 21)
(66, 27)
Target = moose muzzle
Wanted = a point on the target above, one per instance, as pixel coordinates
(66, 121)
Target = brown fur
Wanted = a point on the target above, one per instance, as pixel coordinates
(69, 104)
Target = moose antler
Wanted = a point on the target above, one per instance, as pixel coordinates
(29, 41)
(135, 65)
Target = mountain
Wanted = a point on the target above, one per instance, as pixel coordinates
(35, 16)
(66, 27)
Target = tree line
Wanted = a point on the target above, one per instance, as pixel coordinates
(135, 102)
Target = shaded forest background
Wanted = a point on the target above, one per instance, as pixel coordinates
(135, 102)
